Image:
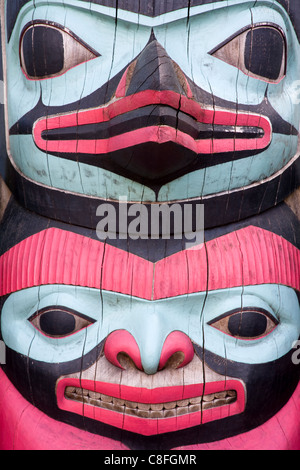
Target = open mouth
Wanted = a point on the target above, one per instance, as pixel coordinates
(151, 411)
(152, 116)
(153, 137)
(148, 117)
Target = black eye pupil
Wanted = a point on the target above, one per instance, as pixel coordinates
(43, 51)
(57, 323)
(247, 324)
(264, 52)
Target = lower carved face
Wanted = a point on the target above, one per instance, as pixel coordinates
(168, 362)
(149, 377)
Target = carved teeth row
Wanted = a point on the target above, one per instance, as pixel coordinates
(147, 410)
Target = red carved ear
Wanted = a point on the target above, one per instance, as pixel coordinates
(121, 341)
(177, 342)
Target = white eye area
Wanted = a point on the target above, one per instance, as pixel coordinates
(260, 52)
(59, 322)
(247, 323)
(48, 50)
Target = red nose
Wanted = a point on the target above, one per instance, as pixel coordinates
(177, 346)
(121, 341)
(177, 343)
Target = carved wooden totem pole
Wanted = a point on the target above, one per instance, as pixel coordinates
(119, 332)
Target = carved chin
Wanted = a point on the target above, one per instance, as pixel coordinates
(170, 400)
(215, 404)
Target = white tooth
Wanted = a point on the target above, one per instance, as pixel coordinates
(106, 398)
(183, 403)
(195, 401)
(132, 411)
(194, 408)
(170, 406)
(118, 402)
(94, 402)
(94, 395)
(143, 413)
(130, 404)
(207, 405)
(144, 406)
(118, 408)
(231, 393)
(183, 410)
(84, 392)
(108, 406)
(220, 402)
(169, 413)
(156, 414)
(208, 398)
(230, 400)
(157, 407)
(221, 394)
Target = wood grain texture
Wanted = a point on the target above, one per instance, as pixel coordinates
(5, 196)
(294, 202)
(145, 344)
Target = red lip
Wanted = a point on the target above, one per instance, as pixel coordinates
(148, 426)
(157, 134)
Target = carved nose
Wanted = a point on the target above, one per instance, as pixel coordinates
(177, 351)
(154, 157)
(155, 70)
(121, 342)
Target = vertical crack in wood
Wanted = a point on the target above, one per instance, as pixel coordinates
(212, 138)
(28, 361)
(77, 125)
(189, 12)
(202, 327)
(238, 71)
(177, 113)
(252, 158)
(39, 282)
(243, 281)
(99, 346)
(131, 300)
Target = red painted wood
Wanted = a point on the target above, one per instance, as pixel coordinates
(177, 342)
(250, 256)
(156, 134)
(121, 341)
(282, 432)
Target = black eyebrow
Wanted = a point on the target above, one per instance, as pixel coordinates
(150, 8)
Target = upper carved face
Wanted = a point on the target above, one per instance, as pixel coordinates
(189, 103)
(154, 104)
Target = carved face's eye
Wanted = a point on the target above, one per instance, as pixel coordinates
(260, 52)
(49, 50)
(247, 323)
(58, 322)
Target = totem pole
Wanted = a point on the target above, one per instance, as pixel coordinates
(121, 330)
